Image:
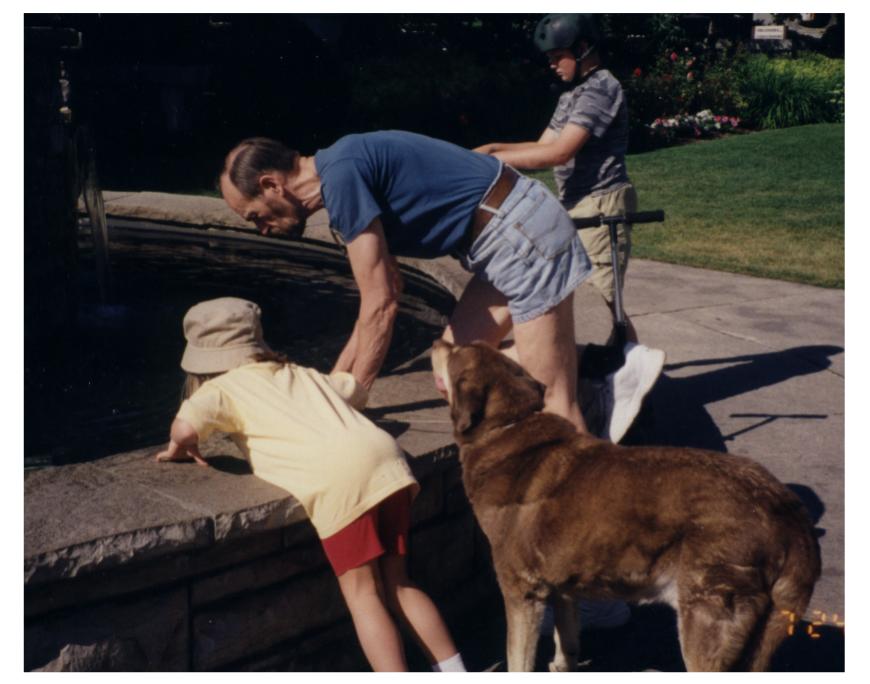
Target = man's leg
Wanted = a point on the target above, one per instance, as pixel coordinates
(544, 346)
(546, 349)
(480, 314)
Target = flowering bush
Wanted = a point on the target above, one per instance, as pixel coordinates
(704, 124)
(680, 82)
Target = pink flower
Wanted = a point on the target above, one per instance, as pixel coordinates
(690, 76)
(674, 57)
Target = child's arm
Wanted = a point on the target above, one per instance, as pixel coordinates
(183, 444)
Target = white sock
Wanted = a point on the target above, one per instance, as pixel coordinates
(452, 664)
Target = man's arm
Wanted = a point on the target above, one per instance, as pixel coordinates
(551, 149)
(377, 276)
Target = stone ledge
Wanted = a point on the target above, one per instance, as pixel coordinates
(126, 508)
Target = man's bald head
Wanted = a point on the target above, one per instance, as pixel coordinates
(255, 184)
(253, 157)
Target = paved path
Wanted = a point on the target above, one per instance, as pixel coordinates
(754, 367)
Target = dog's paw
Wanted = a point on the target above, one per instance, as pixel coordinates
(570, 665)
(562, 665)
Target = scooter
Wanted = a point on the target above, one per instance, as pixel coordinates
(598, 360)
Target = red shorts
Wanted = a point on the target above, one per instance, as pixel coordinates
(381, 530)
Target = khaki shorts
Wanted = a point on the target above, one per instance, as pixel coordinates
(596, 241)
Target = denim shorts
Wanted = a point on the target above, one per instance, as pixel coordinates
(529, 251)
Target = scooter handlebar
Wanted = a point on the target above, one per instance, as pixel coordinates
(654, 216)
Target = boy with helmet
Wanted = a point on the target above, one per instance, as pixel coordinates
(585, 143)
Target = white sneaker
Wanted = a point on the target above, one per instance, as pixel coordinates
(630, 384)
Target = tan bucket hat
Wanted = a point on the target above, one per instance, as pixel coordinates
(222, 334)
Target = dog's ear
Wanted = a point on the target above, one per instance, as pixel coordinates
(468, 406)
(540, 389)
(527, 393)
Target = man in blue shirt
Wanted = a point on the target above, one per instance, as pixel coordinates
(393, 193)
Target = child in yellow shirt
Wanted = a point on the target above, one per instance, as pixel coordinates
(301, 430)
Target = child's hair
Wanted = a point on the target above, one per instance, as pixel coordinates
(193, 381)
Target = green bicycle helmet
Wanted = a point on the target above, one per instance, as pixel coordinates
(565, 31)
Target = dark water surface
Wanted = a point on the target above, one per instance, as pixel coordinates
(114, 383)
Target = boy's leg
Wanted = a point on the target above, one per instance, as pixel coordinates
(417, 610)
(596, 242)
(377, 633)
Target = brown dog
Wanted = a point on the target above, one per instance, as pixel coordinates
(715, 536)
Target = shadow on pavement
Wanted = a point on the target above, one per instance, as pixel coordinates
(675, 414)
(648, 642)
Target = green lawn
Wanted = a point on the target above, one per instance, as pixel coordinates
(768, 204)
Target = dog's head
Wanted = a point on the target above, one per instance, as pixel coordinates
(483, 387)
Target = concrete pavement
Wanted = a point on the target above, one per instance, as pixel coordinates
(754, 367)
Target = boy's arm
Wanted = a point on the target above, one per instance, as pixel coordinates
(551, 149)
(183, 444)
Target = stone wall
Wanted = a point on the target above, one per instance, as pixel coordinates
(236, 587)
(134, 565)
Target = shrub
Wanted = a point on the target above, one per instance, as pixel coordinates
(451, 95)
(678, 85)
(783, 92)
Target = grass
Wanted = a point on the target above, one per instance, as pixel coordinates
(768, 204)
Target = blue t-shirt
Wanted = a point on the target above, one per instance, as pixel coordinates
(425, 191)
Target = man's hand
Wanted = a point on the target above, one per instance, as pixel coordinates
(377, 275)
(183, 444)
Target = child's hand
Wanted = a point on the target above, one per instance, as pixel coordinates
(177, 452)
(183, 444)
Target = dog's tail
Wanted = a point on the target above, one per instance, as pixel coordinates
(790, 592)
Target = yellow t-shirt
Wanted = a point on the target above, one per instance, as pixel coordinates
(298, 431)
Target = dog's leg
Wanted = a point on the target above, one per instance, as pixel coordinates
(716, 630)
(524, 616)
(567, 634)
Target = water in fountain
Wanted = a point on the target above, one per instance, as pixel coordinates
(119, 386)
